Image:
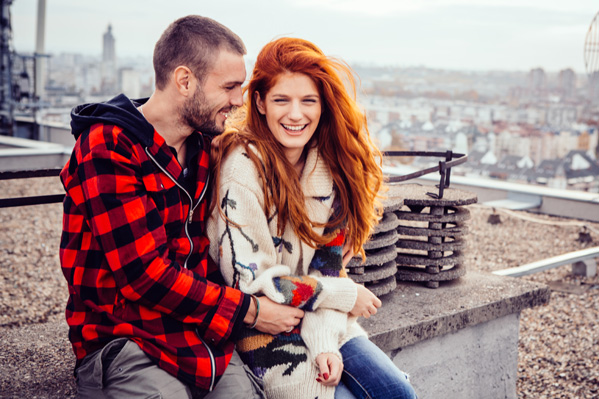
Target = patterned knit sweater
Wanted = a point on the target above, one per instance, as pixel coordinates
(253, 258)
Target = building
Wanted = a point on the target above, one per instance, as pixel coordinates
(567, 83)
(130, 82)
(537, 82)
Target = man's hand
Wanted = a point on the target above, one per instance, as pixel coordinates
(366, 303)
(331, 368)
(274, 318)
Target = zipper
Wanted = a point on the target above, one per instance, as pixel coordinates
(191, 205)
(189, 216)
(212, 362)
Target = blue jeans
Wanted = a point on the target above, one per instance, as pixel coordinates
(369, 373)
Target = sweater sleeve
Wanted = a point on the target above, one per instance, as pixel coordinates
(246, 250)
(322, 331)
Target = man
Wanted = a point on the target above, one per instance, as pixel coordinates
(148, 311)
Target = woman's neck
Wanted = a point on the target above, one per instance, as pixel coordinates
(297, 160)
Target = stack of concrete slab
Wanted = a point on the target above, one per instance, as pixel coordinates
(432, 234)
(378, 271)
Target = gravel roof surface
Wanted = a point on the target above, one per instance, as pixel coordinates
(558, 346)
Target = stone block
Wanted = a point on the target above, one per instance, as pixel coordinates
(585, 268)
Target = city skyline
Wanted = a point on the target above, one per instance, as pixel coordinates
(448, 34)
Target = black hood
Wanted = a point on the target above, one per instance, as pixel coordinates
(119, 111)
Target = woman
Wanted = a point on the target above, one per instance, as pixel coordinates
(298, 175)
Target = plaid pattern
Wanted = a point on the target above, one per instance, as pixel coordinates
(135, 267)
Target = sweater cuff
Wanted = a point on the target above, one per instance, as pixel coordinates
(340, 293)
(321, 331)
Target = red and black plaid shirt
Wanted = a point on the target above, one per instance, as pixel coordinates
(136, 257)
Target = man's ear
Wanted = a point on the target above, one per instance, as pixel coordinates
(259, 103)
(184, 80)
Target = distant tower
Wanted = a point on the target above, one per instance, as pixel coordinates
(108, 53)
(109, 72)
(567, 83)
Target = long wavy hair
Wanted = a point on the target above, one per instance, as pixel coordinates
(342, 139)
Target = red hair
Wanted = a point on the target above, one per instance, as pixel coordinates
(342, 139)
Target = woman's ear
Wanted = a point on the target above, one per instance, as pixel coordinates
(259, 103)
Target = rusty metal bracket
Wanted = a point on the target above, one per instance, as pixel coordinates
(444, 168)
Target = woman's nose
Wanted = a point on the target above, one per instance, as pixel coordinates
(295, 112)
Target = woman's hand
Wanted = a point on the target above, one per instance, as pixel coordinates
(366, 304)
(348, 252)
(330, 367)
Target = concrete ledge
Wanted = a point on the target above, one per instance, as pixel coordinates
(414, 313)
(467, 327)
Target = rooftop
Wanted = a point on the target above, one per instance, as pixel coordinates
(558, 347)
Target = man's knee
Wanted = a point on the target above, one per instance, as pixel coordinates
(128, 373)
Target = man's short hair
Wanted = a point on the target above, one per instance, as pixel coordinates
(192, 41)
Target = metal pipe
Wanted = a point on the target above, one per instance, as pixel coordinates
(40, 50)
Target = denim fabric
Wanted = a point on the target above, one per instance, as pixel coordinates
(369, 373)
(343, 392)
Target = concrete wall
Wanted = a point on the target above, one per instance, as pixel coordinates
(459, 340)
(477, 362)
(23, 154)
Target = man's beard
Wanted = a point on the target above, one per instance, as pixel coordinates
(197, 114)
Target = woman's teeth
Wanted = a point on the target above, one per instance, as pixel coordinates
(294, 128)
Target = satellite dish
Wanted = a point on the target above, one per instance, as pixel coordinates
(591, 47)
(591, 63)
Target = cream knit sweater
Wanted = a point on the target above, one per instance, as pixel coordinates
(253, 258)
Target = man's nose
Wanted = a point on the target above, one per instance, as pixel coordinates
(237, 97)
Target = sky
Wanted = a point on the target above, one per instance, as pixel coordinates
(480, 35)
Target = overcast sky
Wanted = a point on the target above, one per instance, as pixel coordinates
(452, 34)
